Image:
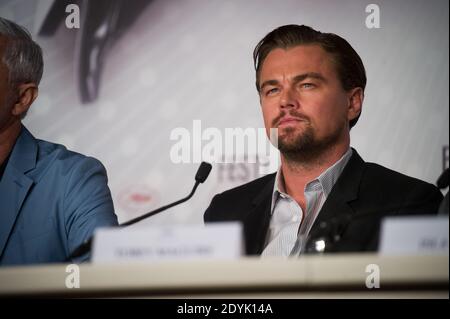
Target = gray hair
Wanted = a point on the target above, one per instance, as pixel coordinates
(22, 56)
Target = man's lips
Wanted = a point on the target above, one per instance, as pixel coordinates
(289, 120)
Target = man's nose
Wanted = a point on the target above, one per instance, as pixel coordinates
(288, 99)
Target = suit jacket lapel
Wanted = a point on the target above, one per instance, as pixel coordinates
(257, 220)
(337, 206)
(15, 185)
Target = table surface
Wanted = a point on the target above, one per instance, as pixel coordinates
(334, 275)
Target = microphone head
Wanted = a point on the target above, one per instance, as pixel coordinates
(203, 172)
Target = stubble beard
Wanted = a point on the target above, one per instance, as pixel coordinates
(304, 148)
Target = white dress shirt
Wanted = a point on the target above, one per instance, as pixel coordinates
(288, 222)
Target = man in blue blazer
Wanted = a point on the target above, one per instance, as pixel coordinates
(51, 199)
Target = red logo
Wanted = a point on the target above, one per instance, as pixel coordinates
(136, 199)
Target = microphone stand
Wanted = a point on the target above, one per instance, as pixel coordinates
(156, 211)
(200, 177)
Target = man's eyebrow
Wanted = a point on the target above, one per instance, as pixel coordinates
(268, 82)
(312, 75)
(297, 78)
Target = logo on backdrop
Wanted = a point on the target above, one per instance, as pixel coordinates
(137, 198)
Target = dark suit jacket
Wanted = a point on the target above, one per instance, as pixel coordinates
(363, 194)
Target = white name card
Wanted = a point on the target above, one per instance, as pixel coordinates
(414, 235)
(164, 243)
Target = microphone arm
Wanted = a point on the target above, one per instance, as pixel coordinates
(200, 177)
(156, 211)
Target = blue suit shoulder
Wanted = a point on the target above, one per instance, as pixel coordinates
(64, 198)
(83, 178)
(57, 155)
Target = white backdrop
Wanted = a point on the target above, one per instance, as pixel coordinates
(183, 60)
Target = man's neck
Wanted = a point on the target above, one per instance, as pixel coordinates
(8, 137)
(297, 174)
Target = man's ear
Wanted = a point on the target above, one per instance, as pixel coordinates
(26, 93)
(355, 99)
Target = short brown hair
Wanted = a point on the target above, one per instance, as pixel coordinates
(350, 68)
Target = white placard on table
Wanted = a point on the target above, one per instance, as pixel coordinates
(168, 242)
(414, 235)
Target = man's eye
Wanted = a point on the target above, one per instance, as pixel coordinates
(307, 85)
(271, 91)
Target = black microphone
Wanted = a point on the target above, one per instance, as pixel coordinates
(330, 232)
(202, 174)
